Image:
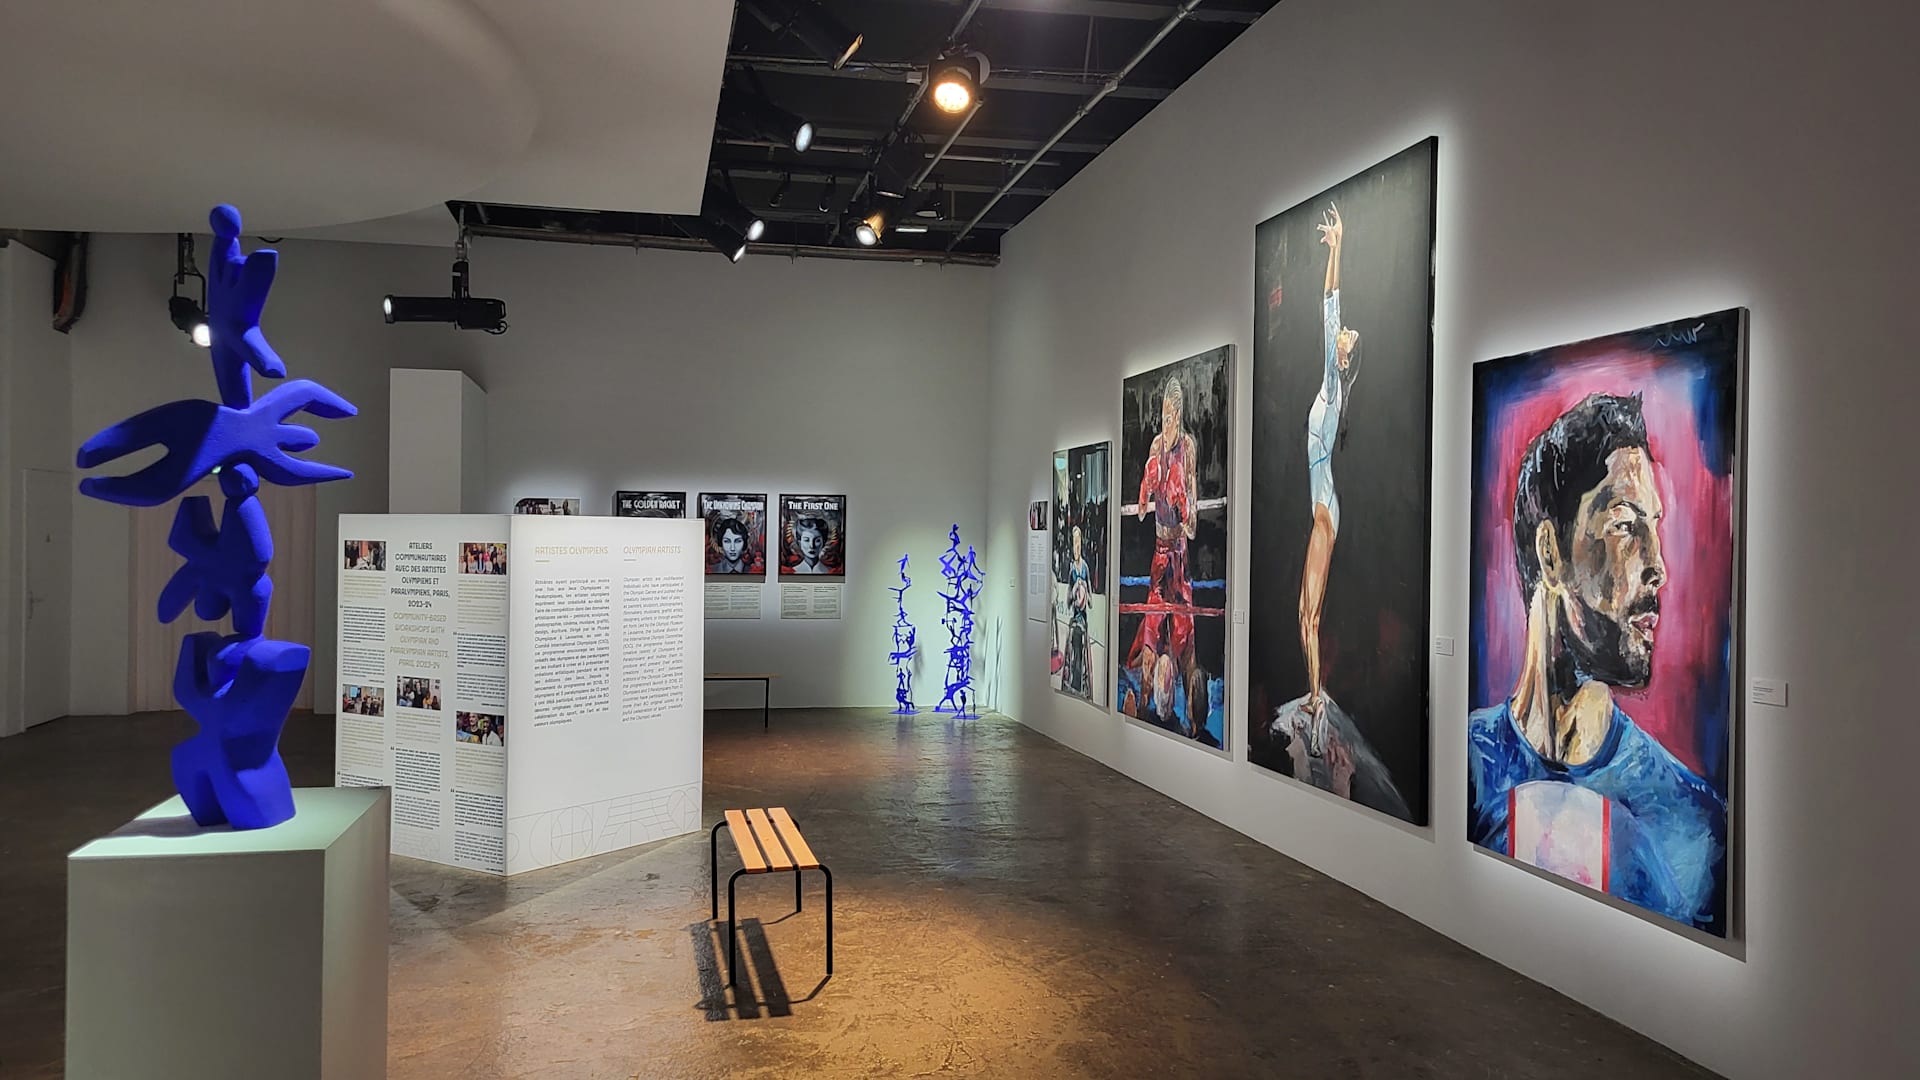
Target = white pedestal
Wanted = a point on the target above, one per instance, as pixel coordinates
(203, 954)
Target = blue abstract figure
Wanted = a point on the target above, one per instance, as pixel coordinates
(963, 588)
(903, 646)
(238, 687)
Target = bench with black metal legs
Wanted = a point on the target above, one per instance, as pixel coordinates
(764, 678)
(768, 842)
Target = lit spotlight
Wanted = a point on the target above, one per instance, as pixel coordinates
(955, 80)
(189, 315)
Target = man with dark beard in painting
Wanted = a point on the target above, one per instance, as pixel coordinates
(1558, 776)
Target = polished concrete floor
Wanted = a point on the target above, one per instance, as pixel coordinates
(1005, 908)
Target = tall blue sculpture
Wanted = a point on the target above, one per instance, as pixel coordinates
(903, 646)
(963, 589)
(239, 686)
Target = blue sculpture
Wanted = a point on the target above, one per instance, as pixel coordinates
(963, 588)
(903, 646)
(238, 687)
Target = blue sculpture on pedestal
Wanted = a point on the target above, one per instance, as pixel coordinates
(239, 686)
(903, 646)
(963, 588)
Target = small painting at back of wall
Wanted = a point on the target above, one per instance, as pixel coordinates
(1174, 451)
(1080, 594)
(736, 534)
(650, 504)
(813, 536)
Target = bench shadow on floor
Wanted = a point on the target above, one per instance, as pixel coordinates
(759, 986)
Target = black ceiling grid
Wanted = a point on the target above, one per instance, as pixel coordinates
(1047, 56)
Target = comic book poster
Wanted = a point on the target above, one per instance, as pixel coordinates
(650, 504)
(813, 536)
(562, 507)
(1172, 643)
(736, 534)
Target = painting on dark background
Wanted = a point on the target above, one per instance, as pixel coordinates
(1174, 451)
(1604, 563)
(1338, 577)
(736, 527)
(813, 535)
(1080, 594)
(650, 504)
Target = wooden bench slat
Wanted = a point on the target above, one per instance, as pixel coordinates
(769, 838)
(803, 856)
(743, 840)
(777, 856)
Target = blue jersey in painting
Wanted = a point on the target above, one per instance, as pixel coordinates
(1666, 828)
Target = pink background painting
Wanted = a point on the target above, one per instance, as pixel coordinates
(1685, 705)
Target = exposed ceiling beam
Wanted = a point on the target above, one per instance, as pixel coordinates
(990, 142)
(681, 243)
(762, 172)
(810, 216)
(1035, 81)
(1139, 10)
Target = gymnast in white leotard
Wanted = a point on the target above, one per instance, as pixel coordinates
(1339, 351)
(1323, 419)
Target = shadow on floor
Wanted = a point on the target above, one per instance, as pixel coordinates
(758, 986)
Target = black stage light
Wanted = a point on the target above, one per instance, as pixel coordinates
(780, 193)
(747, 112)
(867, 229)
(827, 193)
(461, 308)
(811, 24)
(725, 239)
(188, 315)
(893, 173)
(954, 80)
(719, 204)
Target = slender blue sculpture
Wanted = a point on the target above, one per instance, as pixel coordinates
(903, 646)
(963, 588)
(238, 686)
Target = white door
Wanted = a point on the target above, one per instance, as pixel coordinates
(46, 506)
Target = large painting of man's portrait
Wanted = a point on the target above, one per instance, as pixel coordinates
(1603, 622)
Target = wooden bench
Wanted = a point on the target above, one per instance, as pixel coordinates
(768, 841)
(764, 678)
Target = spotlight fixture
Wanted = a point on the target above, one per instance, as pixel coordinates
(954, 80)
(867, 229)
(462, 309)
(780, 193)
(827, 193)
(893, 172)
(725, 239)
(189, 315)
(810, 24)
(722, 206)
(746, 111)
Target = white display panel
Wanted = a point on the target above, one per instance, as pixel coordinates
(422, 678)
(528, 686)
(606, 653)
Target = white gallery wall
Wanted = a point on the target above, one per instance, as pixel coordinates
(1600, 168)
(35, 455)
(621, 369)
